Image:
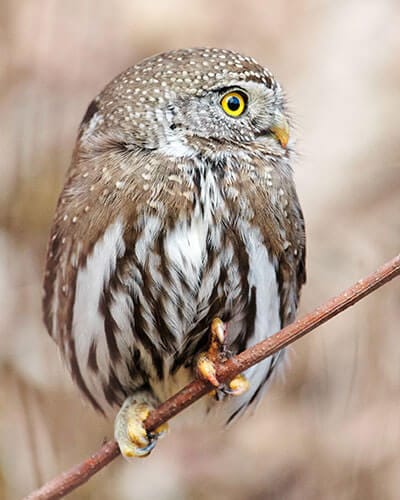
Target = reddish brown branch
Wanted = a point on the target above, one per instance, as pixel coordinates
(68, 481)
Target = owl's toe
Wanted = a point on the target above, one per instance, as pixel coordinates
(238, 385)
(206, 369)
(207, 362)
(129, 430)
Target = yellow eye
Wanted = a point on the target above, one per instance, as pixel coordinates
(234, 103)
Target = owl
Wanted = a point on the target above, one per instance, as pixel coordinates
(178, 237)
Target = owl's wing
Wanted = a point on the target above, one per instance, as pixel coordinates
(291, 271)
(86, 230)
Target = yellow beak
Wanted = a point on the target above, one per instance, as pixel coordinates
(280, 129)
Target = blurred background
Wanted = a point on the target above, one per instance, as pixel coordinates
(330, 428)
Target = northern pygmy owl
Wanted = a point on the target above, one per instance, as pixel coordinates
(179, 207)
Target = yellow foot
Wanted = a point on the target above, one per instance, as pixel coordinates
(206, 363)
(207, 360)
(206, 369)
(238, 385)
(129, 430)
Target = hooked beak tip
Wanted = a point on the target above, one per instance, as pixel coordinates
(280, 129)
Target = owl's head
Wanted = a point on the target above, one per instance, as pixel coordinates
(180, 101)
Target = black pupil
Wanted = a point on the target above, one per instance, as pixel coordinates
(233, 103)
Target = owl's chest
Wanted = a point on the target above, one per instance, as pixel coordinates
(192, 272)
(199, 267)
(159, 292)
(196, 271)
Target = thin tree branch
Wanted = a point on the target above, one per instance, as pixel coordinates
(68, 481)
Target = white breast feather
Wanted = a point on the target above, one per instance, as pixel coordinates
(88, 322)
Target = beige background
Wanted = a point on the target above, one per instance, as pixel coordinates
(331, 428)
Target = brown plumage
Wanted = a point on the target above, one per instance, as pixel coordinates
(175, 211)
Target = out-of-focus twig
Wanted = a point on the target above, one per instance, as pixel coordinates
(68, 481)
